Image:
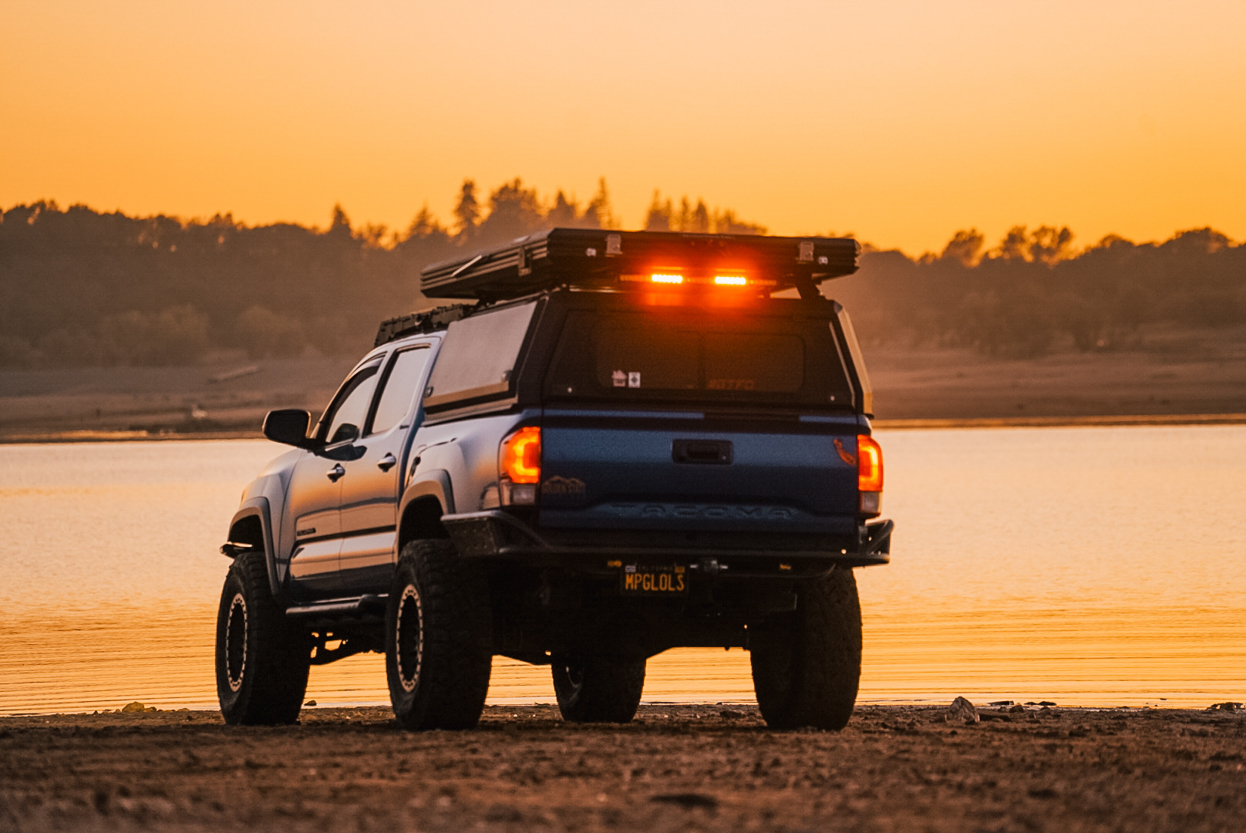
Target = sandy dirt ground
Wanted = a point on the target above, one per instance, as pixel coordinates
(1202, 377)
(687, 767)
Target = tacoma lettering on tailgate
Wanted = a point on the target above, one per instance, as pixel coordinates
(699, 510)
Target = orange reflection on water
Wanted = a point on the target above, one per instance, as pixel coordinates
(164, 658)
(1087, 566)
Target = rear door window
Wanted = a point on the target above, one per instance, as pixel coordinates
(405, 371)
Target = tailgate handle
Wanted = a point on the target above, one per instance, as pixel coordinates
(710, 452)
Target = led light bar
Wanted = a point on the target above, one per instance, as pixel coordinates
(675, 279)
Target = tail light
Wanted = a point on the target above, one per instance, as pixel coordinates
(520, 463)
(869, 475)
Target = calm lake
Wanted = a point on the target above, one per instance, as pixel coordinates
(1087, 566)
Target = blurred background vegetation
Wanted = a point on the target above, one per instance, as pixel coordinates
(84, 288)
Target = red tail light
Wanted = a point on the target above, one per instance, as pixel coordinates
(521, 456)
(869, 474)
(869, 464)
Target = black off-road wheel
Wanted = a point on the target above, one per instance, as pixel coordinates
(598, 689)
(807, 663)
(262, 659)
(438, 639)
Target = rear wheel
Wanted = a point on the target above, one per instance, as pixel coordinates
(598, 689)
(807, 664)
(262, 659)
(438, 640)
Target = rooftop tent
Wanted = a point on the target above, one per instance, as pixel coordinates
(604, 259)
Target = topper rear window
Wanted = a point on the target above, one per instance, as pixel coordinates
(679, 357)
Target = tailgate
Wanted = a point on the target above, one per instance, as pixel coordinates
(655, 472)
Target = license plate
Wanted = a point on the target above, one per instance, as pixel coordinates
(654, 581)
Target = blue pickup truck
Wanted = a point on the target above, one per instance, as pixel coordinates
(615, 443)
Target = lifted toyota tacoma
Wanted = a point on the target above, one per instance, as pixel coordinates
(615, 443)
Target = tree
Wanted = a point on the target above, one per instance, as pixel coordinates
(1014, 245)
(467, 211)
(423, 226)
(514, 211)
(599, 214)
(340, 224)
(658, 217)
(1050, 245)
(564, 213)
(726, 222)
(964, 248)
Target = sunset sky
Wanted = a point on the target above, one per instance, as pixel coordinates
(899, 121)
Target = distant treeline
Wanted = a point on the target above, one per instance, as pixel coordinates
(1035, 292)
(79, 287)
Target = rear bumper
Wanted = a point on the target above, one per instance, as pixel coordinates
(500, 535)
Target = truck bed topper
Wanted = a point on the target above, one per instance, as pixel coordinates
(602, 259)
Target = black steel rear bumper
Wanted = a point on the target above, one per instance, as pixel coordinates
(500, 535)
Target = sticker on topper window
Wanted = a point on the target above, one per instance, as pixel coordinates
(625, 379)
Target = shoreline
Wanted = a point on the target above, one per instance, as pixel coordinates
(1085, 421)
(645, 705)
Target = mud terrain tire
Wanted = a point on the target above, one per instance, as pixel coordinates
(807, 664)
(262, 659)
(438, 639)
(598, 689)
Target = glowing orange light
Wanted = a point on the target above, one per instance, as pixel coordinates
(666, 277)
(869, 464)
(730, 280)
(521, 455)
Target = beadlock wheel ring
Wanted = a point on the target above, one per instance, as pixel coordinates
(236, 642)
(409, 638)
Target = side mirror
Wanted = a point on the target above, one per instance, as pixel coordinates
(289, 427)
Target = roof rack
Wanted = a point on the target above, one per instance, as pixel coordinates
(603, 258)
(420, 322)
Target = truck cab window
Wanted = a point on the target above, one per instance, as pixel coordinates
(350, 406)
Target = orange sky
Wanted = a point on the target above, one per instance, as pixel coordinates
(899, 121)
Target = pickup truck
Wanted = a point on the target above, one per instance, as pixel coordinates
(617, 444)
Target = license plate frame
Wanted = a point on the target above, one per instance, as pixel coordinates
(663, 580)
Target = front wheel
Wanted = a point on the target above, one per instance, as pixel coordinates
(438, 639)
(598, 689)
(807, 664)
(262, 659)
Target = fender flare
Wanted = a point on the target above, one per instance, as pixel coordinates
(434, 483)
(258, 507)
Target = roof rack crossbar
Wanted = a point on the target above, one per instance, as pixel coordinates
(420, 322)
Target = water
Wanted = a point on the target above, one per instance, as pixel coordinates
(1088, 566)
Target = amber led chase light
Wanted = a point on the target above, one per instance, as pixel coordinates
(673, 277)
(664, 277)
(519, 461)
